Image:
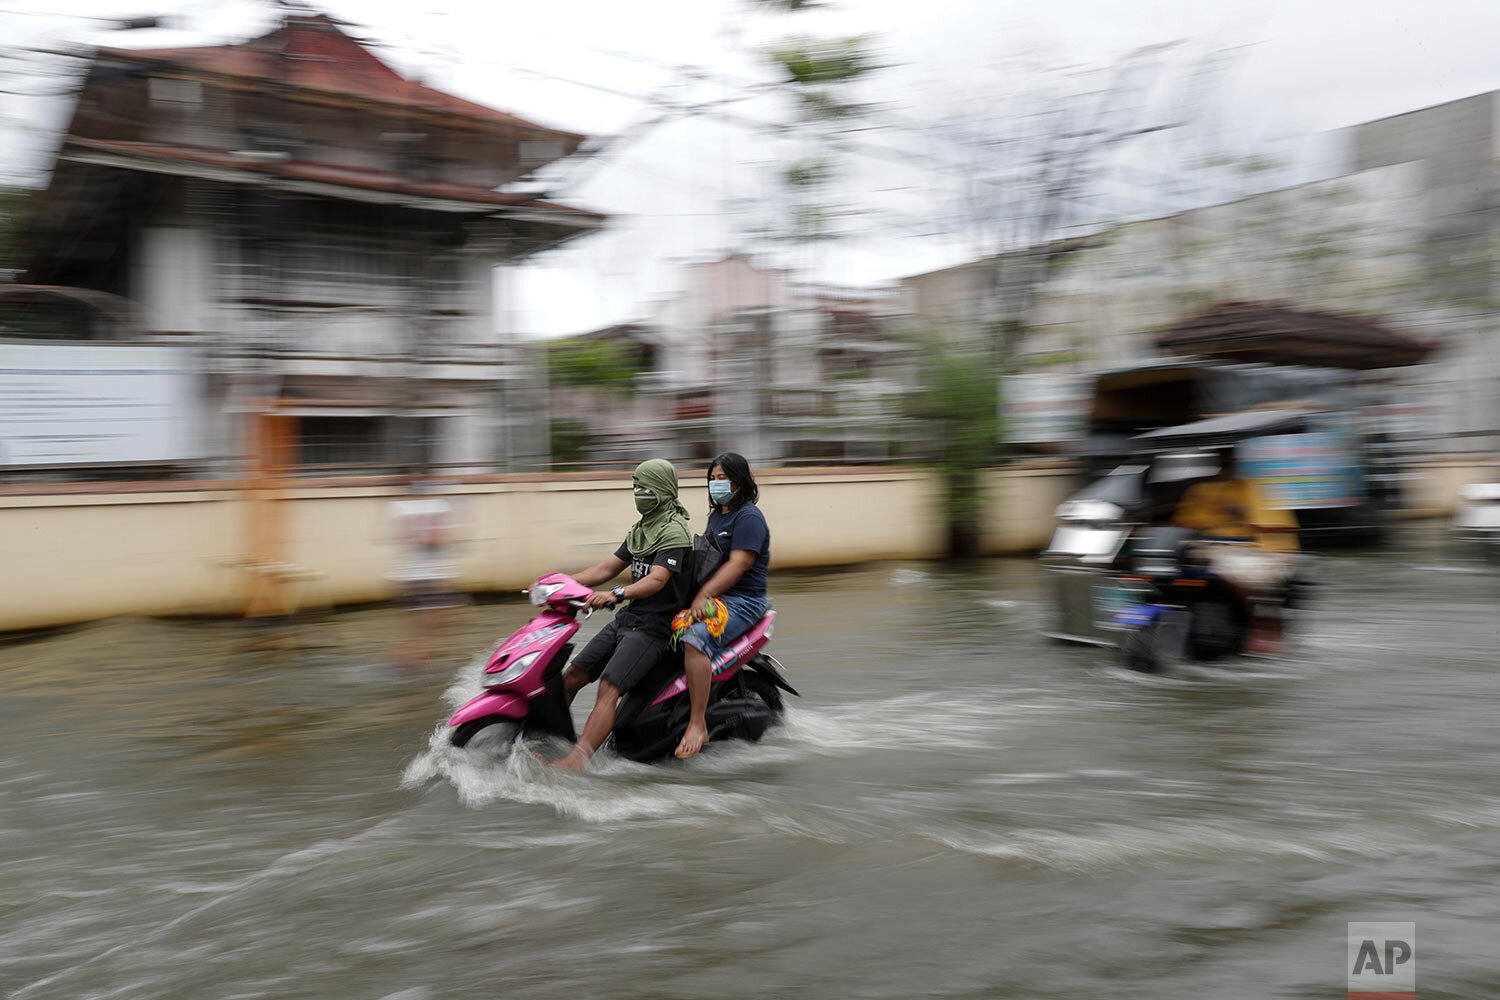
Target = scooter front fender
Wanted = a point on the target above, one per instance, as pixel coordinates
(506, 704)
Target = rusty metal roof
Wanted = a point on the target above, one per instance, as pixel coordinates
(1275, 334)
(310, 53)
(231, 166)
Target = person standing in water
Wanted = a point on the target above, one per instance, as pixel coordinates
(425, 532)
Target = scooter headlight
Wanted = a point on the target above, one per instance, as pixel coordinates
(542, 592)
(500, 678)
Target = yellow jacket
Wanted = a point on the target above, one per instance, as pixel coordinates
(1236, 508)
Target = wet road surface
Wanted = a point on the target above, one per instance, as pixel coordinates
(955, 807)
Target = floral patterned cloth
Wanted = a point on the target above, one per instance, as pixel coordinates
(718, 618)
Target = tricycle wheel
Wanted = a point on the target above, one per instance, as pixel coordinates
(1218, 627)
(1136, 649)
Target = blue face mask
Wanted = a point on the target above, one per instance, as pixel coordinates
(720, 490)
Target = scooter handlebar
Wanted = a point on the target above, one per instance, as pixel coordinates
(611, 605)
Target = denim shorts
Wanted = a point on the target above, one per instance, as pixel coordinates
(744, 612)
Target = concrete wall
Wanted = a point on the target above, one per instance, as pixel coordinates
(1350, 244)
(1019, 504)
(78, 558)
(1433, 491)
(516, 531)
(1455, 143)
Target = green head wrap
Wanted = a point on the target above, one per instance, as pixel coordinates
(664, 526)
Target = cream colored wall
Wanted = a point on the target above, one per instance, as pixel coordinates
(833, 520)
(1019, 504)
(68, 559)
(78, 558)
(1433, 489)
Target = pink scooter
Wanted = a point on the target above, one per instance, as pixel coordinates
(523, 688)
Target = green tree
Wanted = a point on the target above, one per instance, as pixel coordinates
(593, 364)
(956, 405)
(819, 74)
(819, 71)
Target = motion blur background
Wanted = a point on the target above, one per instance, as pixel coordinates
(270, 270)
(487, 241)
(262, 247)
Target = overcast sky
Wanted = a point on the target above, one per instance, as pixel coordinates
(682, 189)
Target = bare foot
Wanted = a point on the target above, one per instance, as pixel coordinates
(692, 740)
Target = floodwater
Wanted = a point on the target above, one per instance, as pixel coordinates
(954, 808)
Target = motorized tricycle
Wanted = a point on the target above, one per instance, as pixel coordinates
(1124, 575)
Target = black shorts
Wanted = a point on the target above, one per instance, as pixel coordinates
(622, 656)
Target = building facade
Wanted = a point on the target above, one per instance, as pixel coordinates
(743, 358)
(318, 235)
(1406, 233)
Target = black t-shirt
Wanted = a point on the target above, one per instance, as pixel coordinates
(659, 608)
(744, 528)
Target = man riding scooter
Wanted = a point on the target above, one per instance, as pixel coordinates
(1230, 509)
(657, 549)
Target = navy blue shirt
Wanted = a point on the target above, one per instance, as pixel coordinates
(744, 528)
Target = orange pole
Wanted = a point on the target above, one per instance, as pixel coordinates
(271, 437)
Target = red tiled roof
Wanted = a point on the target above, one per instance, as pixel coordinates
(311, 53)
(321, 173)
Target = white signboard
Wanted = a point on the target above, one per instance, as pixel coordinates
(93, 404)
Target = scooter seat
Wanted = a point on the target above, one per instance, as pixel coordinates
(722, 665)
(736, 650)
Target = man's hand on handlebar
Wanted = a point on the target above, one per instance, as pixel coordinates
(601, 599)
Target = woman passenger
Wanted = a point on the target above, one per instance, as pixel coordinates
(740, 531)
